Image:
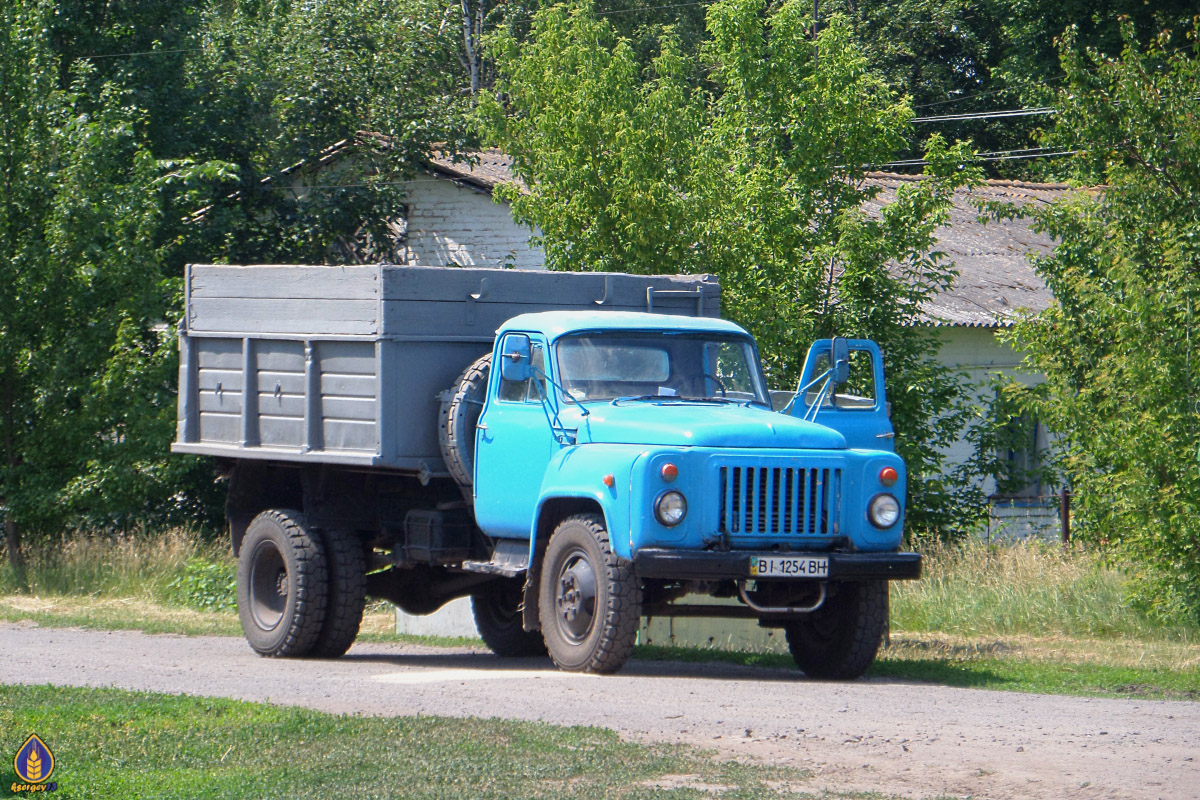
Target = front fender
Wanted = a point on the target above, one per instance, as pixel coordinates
(578, 473)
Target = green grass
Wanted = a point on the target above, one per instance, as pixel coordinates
(142, 566)
(110, 743)
(1033, 588)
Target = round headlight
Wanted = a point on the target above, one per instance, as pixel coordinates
(883, 511)
(670, 508)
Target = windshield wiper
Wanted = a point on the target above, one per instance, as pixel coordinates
(676, 398)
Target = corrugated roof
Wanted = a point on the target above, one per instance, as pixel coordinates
(995, 282)
(996, 279)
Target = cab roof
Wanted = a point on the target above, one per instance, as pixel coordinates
(559, 323)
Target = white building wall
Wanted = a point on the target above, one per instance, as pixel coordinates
(453, 225)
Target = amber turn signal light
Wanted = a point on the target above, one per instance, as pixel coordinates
(888, 476)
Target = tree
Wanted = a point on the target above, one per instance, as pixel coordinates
(275, 84)
(79, 216)
(759, 176)
(1117, 347)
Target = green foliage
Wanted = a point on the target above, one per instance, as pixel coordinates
(79, 248)
(276, 84)
(1117, 346)
(759, 177)
(205, 585)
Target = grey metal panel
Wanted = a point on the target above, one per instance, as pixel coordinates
(359, 409)
(276, 355)
(284, 315)
(221, 427)
(349, 435)
(281, 405)
(296, 281)
(226, 402)
(281, 383)
(218, 353)
(280, 431)
(416, 373)
(348, 358)
(341, 385)
(220, 380)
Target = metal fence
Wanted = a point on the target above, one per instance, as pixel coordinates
(1016, 518)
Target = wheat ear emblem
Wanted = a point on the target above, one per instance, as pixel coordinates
(33, 767)
(38, 761)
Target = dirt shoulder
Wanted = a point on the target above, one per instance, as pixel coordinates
(877, 735)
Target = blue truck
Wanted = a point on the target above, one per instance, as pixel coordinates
(573, 451)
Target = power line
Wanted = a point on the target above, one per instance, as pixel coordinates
(996, 155)
(1002, 114)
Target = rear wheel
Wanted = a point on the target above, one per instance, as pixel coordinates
(590, 601)
(347, 566)
(497, 611)
(282, 584)
(839, 640)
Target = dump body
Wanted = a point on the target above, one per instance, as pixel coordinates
(345, 365)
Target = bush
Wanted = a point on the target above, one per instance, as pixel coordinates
(205, 586)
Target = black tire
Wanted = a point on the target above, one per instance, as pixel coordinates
(497, 611)
(282, 584)
(457, 418)
(347, 563)
(590, 602)
(839, 640)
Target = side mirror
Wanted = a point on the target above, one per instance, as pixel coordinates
(839, 356)
(515, 358)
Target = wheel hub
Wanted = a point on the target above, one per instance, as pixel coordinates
(576, 598)
(269, 586)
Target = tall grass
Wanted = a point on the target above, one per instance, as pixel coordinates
(143, 566)
(1031, 588)
(969, 589)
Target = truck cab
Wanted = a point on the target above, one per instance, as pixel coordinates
(658, 435)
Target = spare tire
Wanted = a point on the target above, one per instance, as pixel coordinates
(458, 417)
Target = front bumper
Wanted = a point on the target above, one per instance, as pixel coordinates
(708, 565)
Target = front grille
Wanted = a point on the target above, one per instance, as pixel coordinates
(780, 501)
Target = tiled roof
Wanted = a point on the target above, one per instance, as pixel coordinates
(490, 169)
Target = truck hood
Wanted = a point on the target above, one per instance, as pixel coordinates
(682, 424)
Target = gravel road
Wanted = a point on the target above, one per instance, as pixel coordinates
(884, 735)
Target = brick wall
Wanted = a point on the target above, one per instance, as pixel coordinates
(449, 224)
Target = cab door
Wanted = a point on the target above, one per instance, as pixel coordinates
(513, 442)
(842, 388)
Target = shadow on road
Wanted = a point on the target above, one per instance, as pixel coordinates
(636, 668)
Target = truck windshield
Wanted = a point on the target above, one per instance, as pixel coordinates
(694, 366)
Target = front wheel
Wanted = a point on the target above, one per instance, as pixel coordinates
(839, 640)
(590, 601)
(282, 584)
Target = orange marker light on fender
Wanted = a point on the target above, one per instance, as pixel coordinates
(610, 481)
(669, 472)
(888, 476)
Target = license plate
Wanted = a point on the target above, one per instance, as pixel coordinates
(789, 567)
